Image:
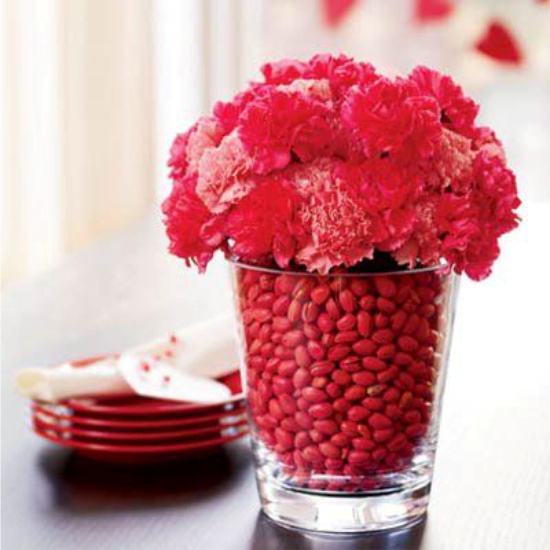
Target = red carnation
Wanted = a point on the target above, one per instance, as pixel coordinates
(390, 119)
(178, 154)
(474, 222)
(342, 72)
(457, 111)
(263, 224)
(496, 190)
(399, 224)
(184, 216)
(283, 72)
(387, 186)
(467, 244)
(280, 123)
(227, 113)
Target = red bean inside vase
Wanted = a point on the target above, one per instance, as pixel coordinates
(344, 374)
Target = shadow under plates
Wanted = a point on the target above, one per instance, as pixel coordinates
(80, 484)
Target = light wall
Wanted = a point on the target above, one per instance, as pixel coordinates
(94, 91)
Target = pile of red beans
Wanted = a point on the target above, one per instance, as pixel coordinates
(340, 371)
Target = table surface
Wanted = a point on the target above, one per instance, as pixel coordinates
(492, 482)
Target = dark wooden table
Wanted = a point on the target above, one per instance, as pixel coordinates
(492, 482)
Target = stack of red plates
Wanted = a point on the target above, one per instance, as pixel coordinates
(138, 429)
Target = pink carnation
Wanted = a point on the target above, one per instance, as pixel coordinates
(206, 136)
(223, 175)
(312, 177)
(390, 118)
(279, 123)
(340, 231)
(457, 111)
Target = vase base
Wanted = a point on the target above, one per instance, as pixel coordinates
(343, 513)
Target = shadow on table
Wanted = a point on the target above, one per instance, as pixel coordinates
(82, 484)
(269, 536)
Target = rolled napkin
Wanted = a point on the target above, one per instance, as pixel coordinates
(101, 378)
(180, 367)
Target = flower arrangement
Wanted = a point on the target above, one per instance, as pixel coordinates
(328, 166)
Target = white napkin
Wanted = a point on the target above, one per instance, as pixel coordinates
(180, 367)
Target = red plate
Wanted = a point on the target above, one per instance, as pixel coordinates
(135, 423)
(139, 453)
(141, 406)
(197, 434)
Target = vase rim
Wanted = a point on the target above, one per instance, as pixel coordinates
(277, 271)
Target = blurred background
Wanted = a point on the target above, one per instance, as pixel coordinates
(93, 92)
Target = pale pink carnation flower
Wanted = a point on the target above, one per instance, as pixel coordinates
(453, 161)
(340, 230)
(312, 177)
(207, 135)
(223, 175)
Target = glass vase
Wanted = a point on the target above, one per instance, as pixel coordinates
(344, 376)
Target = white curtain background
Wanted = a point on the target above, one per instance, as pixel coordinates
(93, 92)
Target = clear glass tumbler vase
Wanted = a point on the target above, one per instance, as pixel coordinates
(344, 376)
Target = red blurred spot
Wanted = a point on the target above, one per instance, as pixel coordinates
(499, 44)
(336, 10)
(433, 10)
